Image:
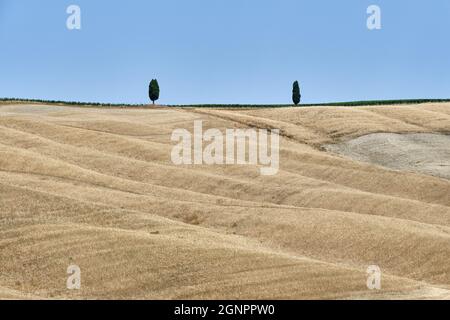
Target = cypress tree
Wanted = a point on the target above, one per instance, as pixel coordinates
(296, 96)
(153, 90)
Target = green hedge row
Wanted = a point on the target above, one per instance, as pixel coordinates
(233, 106)
(75, 103)
(348, 104)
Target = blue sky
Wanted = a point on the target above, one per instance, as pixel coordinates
(224, 51)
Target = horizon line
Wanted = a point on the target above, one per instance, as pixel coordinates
(339, 103)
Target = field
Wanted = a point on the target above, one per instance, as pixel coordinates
(95, 187)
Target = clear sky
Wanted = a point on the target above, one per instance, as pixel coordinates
(224, 51)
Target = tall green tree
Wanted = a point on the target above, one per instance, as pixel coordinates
(296, 96)
(153, 90)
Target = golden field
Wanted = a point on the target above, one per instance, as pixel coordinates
(97, 188)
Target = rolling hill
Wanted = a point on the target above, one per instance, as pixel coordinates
(96, 187)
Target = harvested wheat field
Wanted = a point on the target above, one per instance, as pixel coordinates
(97, 188)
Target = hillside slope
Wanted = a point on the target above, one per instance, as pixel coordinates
(97, 188)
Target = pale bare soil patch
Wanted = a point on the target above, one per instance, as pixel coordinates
(97, 188)
(420, 152)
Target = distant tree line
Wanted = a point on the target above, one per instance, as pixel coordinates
(154, 92)
(76, 103)
(331, 104)
(233, 106)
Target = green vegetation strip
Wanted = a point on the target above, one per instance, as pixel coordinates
(231, 106)
(75, 103)
(332, 104)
